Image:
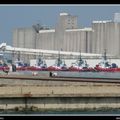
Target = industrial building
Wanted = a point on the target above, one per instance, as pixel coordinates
(106, 35)
(68, 37)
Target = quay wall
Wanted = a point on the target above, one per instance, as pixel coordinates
(60, 103)
(84, 96)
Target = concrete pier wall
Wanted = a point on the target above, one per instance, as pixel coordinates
(61, 103)
(69, 97)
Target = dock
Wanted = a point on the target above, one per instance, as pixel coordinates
(45, 93)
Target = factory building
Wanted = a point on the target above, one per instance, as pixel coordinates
(73, 40)
(106, 35)
(24, 37)
(67, 36)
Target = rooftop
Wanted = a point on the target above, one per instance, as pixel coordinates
(105, 21)
(62, 14)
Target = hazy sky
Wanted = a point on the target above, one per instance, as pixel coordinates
(25, 16)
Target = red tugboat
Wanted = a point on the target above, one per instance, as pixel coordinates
(80, 65)
(58, 66)
(20, 66)
(106, 66)
(40, 66)
(3, 66)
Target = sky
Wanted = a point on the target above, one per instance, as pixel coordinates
(18, 16)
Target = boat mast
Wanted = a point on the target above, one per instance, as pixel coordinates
(40, 58)
(59, 55)
(104, 56)
(58, 58)
(80, 58)
(18, 56)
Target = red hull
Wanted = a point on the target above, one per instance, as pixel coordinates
(21, 68)
(81, 70)
(51, 68)
(98, 69)
(4, 68)
(107, 69)
(36, 69)
(31, 69)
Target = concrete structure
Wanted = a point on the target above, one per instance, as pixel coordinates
(106, 35)
(68, 37)
(67, 21)
(78, 39)
(45, 104)
(117, 17)
(65, 96)
(23, 36)
(74, 40)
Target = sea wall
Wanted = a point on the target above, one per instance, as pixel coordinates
(67, 97)
(60, 103)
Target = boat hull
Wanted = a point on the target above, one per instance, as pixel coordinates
(31, 68)
(52, 68)
(77, 69)
(107, 69)
(4, 68)
(74, 69)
